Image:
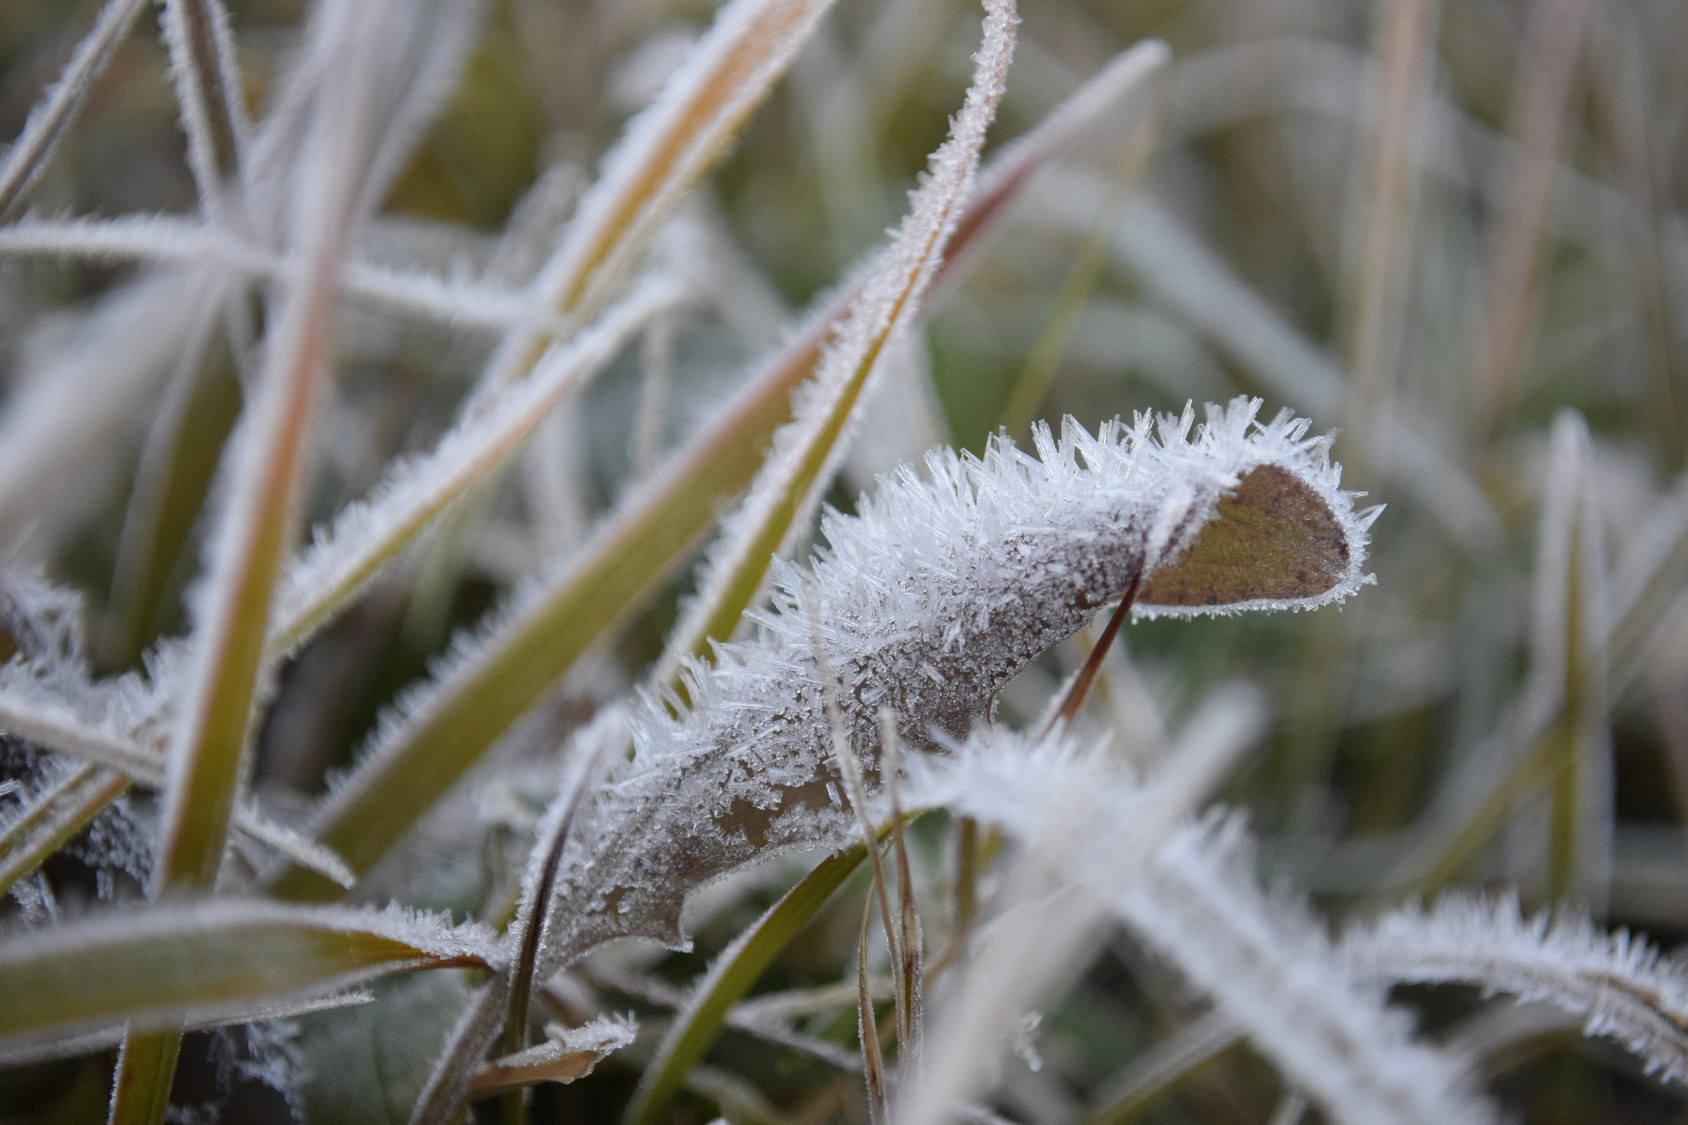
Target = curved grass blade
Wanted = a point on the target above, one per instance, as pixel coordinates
(180, 963)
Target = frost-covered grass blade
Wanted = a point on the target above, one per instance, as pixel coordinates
(182, 963)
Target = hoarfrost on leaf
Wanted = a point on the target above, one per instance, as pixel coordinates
(925, 603)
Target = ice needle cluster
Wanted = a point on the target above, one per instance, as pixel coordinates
(925, 604)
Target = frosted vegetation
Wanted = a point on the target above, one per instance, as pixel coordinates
(477, 645)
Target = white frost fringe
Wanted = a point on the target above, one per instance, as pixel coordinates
(1616, 982)
(1192, 897)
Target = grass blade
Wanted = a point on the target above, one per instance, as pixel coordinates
(182, 963)
(53, 816)
(49, 120)
(367, 535)
(663, 154)
(729, 978)
(213, 723)
(207, 81)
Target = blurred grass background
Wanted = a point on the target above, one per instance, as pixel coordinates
(1471, 212)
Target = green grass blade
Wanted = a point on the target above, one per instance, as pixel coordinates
(412, 497)
(146, 1069)
(171, 483)
(732, 975)
(255, 527)
(48, 821)
(164, 966)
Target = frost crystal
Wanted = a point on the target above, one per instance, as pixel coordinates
(927, 603)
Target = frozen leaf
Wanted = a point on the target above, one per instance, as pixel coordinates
(567, 1053)
(929, 601)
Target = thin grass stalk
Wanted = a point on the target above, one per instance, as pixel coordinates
(1405, 62)
(911, 1005)
(527, 931)
(850, 767)
(1542, 102)
(867, 1022)
(1565, 821)
(1067, 705)
(51, 119)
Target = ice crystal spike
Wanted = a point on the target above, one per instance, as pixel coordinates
(927, 603)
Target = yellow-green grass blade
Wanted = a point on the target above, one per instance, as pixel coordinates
(51, 818)
(146, 1069)
(665, 152)
(416, 493)
(172, 481)
(732, 975)
(254, 529)
(161, 967)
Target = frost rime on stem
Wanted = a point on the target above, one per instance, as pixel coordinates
(928, 602)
